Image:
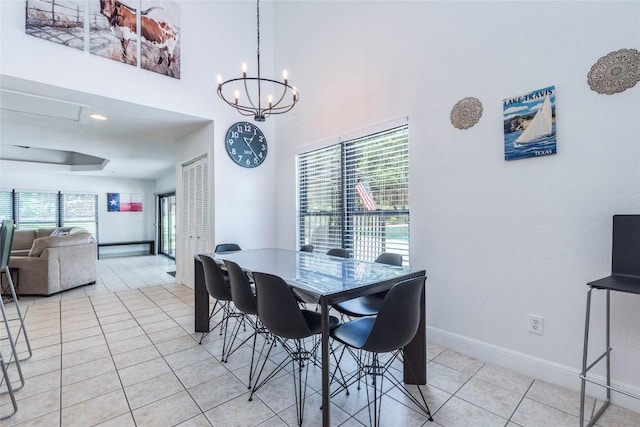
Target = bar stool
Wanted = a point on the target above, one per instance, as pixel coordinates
(7, 381)
(6, 240)
(625, 277)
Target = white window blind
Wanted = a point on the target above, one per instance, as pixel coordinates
(6, 205)
(37, 210)
(321, 201)
(355, 195)
(31, 210)
(80, 210)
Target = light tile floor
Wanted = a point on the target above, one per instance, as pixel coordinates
(123, 352)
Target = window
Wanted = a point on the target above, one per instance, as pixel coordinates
(80, 210)
(6, 205)
(355, 195)
(37, 210)
(32, 210)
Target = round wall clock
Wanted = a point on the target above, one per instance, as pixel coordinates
(246, 144)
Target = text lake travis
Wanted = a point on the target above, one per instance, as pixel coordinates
(528, 97)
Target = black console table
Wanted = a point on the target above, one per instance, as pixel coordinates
(625, 277)
(150, 243)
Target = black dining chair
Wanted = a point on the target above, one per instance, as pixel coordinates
(282, 316)
(218, 288)
(245, 302)
(387, 333)
(339, 252)
(220, 249)
(368, 305)
(226, 247)
(306, 248)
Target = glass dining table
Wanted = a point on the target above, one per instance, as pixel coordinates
(325, 280)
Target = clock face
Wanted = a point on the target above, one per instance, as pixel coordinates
(246, 144)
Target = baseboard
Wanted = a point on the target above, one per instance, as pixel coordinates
(542, 369)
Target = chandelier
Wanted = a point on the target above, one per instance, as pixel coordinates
(254, 105)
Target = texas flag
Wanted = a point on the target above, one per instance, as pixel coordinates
(117, 202)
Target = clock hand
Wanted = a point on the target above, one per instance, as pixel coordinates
(249, 144)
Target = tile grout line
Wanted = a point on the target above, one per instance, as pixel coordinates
(161, 355)
(519, 403)
(112, 361)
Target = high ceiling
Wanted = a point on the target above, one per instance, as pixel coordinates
(46, 125)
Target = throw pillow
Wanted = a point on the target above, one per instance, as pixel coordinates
(57, 232)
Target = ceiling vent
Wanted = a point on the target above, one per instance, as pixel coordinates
(20, 102)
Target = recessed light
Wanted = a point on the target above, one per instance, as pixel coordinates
(98, 117)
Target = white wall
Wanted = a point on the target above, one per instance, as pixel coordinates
(499, 240)
(112, 226)
(166, 184)
(216, 37)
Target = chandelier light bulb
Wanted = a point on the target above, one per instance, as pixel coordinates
(219, 79)
(244, 69)
(270, 98)
(237, 95)
(285, 75)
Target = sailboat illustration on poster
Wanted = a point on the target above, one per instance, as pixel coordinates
(529, 124)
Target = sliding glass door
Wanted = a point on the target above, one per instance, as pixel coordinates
(167, 224)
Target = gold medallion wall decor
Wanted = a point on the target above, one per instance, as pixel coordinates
(466, 113)
(615, 72)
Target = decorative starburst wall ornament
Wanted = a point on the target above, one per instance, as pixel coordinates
(615, 72)
(466, 113)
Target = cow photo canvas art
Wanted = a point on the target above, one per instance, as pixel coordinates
(160, 37)
(58, 21)
(113, 30)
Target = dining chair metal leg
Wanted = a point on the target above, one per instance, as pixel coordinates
(342, 381)
(258, 384)
(300, 363)
(255, 361)
(215, 310)
(378, 371)
(241, 320)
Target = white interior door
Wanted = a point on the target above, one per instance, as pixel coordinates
(195, 214)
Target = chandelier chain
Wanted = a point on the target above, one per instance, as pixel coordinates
(258, 25)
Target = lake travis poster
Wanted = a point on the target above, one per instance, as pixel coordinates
(530, 124)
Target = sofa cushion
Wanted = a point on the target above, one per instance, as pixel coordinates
(23, 239)
(43, 232)
(42, 243)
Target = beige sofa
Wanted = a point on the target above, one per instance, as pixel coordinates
(52, 263)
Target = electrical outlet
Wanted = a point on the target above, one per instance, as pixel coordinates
(536, 324)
